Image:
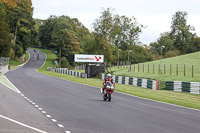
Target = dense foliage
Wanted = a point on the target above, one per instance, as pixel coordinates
(18, 27)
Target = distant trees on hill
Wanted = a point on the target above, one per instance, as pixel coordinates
(111, 34)
(180, 40)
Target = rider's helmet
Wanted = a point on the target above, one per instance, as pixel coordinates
(109, 76)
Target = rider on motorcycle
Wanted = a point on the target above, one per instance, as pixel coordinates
(108, 78)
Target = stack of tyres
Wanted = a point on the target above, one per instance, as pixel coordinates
(130, 81)
(123, 80)
(178, 86)
(149, 84)
(185, 86)
(195, 87)
(126, 80)
(144, 83)
(139, 82)
(169, 85)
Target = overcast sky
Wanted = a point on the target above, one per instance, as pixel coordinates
(155, 14)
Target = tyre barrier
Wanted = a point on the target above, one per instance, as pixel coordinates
(145, 83)
(70, 72)
(189, 87)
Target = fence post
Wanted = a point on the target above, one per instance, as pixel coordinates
(130, 67)
(138, 67)
(177, 69)
(153, 68)
(192, 71)
(148, 68)
(159, 69)
(184, 70)
(143, 68)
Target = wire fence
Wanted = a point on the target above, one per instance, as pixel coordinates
(4, 61)
(165, 69)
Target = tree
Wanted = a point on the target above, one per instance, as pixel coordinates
(126, 31)
(163, 40)
(181, 32)
(5, 37)
(114, 30)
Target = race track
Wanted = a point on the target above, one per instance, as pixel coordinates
(81, 109)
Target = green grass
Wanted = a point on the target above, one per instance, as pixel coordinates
(82, 71)
(178, 98)
(187, 60)
(18, 62)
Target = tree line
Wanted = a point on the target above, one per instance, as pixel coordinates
(111, 32)
(112, 35)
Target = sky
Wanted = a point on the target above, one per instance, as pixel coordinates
(156, 15)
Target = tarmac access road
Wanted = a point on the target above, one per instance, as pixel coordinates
(78, 108)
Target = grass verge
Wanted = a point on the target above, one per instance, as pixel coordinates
(15, 63)
(172, 69)
(178, 98)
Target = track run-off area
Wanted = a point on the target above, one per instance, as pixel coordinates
(49, 104)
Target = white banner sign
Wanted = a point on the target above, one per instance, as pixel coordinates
(89, 58)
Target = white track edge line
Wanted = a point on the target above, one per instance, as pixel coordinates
(22, 124)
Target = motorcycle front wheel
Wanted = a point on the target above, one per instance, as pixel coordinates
(109, 97)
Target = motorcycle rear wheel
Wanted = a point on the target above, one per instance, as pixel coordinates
(104, 97)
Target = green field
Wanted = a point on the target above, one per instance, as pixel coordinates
(178, 98)
(187, 60)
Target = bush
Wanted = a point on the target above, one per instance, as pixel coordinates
(12, 53)
(172, 53)
(64, 63)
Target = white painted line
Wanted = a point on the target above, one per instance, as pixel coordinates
(60, 125)
(48, 116)
(28, 99)
(43, 112)
(25, 97)
(67, 132)
(33, 103)
(22, 95)
(36, 106)
(40, 108)
(22, 124)
(54, 120)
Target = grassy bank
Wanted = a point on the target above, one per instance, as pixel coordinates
(14, 63)
(178, 98)
(172, 69)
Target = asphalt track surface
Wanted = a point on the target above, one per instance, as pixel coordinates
(80, 108)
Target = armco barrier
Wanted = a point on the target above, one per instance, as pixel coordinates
(189, 87)
(69, 72)
(145, 83)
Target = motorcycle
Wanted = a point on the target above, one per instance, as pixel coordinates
(109, 89)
